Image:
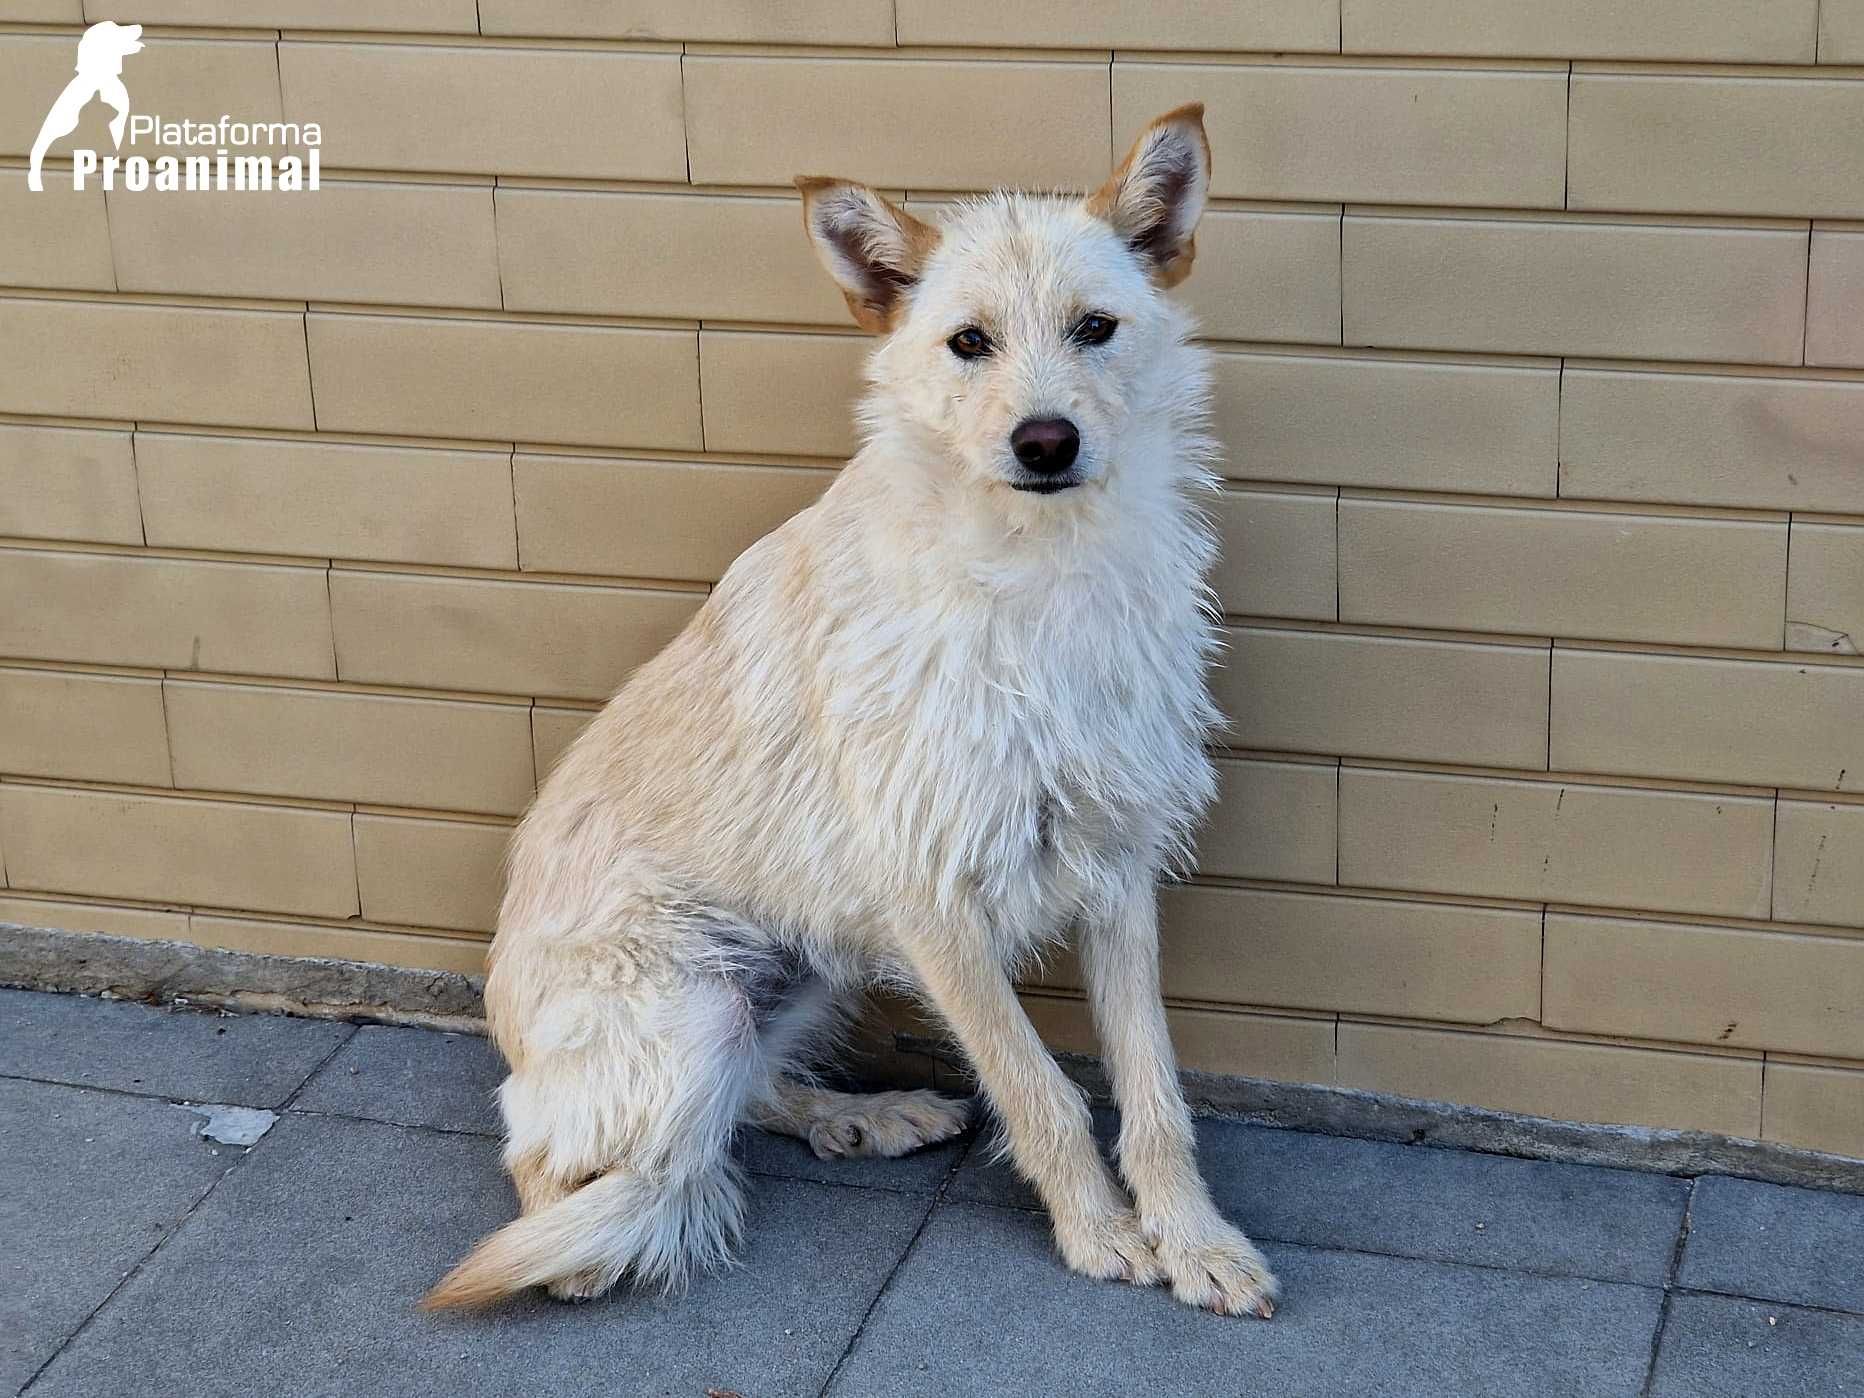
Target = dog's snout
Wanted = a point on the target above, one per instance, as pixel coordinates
(1046, 445)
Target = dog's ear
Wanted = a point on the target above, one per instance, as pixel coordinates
(872, 249)
(1156, 197)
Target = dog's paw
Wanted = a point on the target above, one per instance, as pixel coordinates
(888, 1123)
(583, 1286)
(1109, 1247)
(1218, 1269)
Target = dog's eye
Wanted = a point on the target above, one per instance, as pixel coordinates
(1093, 330)
(970, 343)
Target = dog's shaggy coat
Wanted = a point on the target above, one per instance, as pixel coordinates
(952, 712)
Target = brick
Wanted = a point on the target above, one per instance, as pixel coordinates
(1825, 592)
(489, 110)
(351, 747)
(1361, 955)
(108, 845)
(1555, 842)
(1752, 722)
(634, 254)
(404, 16)
(159, 363)
(430, 873)
(1282, 1048)
(408, 244)
(503, 637)
(1634, 291)
(1721, 31)
(1816, 1107)
(1555, 1078)
(506, 380)
(68, 483)
(1841, 31)
(103, 728)
(1396, 423)
(1706, 985)
(718, 21)
(1380, 696)
(1712, 439)
(1272, 820)
(1835, 305)
(652, 519)
(897, 122)
(1818, 871)
(1172, 24)
(1278, 554)
(1358, 134)
(95, 917)
(1626, 577)
(171, 76)
(1267, 276)
(328, 499)
(552, 731)
(1712, 144)
(108, 609)
(464, 955)
(781, 393)
(57, 237)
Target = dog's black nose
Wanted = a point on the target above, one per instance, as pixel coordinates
(1046, 445)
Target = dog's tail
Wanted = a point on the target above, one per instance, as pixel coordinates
(659, 1231)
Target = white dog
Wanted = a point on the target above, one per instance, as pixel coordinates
(950, 713)
(101, 51)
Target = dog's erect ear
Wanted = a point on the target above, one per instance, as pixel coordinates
(1156, 197)
(872, 249)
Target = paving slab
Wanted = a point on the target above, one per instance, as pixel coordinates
(411, 1077)
(1411, 1201)
(299, 1275)
(92, 1182)
(1771, 1240)
(199, 1056)
(1727, 1347)
(982, 1306)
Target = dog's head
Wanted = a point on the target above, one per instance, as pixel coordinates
(104, 46)
(1026, 334)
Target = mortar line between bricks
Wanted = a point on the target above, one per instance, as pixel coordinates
(142, 1262)
(1669, 1290)
(932, 1207)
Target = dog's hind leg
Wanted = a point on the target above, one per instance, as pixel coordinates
(791, 1028)
(620, 1122)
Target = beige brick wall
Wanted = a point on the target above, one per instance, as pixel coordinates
(326, 521)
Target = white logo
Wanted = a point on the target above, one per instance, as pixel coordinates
(101, 51)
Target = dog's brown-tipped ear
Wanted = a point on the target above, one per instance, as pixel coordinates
(1156, 197)
(872, 249)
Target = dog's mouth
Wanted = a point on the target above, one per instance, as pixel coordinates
(1047, 485)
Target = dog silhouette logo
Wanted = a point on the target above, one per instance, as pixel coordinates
(101, 51)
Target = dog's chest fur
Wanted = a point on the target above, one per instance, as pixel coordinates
(1027, 726)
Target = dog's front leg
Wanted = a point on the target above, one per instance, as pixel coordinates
(1044, 1115)
(1210, 1263)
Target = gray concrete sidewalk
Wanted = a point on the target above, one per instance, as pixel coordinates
(139, 1257)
